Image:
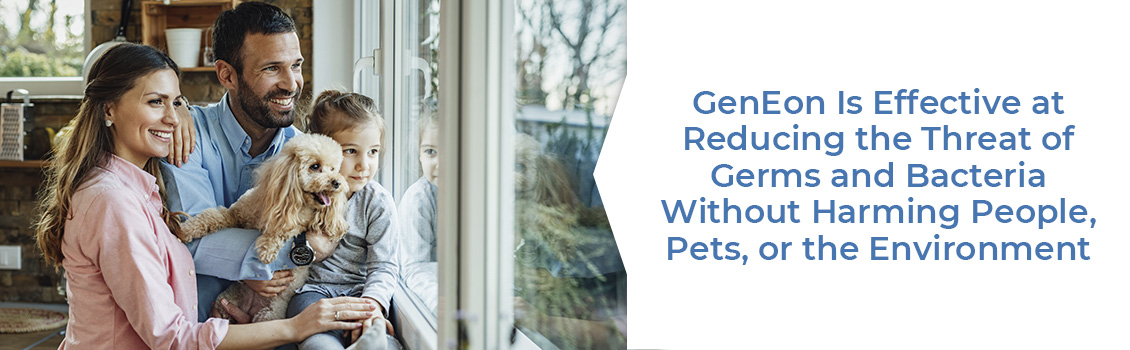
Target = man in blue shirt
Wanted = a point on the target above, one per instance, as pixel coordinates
(259, 61)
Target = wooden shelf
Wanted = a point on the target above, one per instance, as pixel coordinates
(156, 17)
(199, 69)
(22, 163)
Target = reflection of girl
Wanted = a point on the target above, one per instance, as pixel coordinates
(418, 205)
(364, 263)
(131, 282)
(418, 218)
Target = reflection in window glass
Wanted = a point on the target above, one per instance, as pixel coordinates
(417, 208)
(418, 218)
(41, 38)
(569, 280)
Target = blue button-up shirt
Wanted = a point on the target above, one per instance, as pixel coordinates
(217, 173)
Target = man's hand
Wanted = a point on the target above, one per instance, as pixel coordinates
(272, 288)
(237, 315)
(184, 136)
(377, 319)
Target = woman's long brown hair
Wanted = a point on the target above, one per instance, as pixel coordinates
(115, 73)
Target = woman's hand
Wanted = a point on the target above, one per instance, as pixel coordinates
(346, 313)
(342, 313)
(269, 289)
(184, 137)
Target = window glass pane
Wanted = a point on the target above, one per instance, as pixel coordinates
(419, 126)
(569, 280)
(41, 38)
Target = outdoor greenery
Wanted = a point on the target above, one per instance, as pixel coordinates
(31, 50)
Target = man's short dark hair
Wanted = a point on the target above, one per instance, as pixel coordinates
(248, 18)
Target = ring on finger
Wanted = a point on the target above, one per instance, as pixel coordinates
(336, 315)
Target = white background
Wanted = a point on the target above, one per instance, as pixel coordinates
(1024, 49)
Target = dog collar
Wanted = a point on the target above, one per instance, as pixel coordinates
(301, 254)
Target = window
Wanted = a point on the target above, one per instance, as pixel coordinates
(569, 280)
(419, 126)
(505, 242)
(525, 255)
(42, 45)
(41, 38)
(405, 79)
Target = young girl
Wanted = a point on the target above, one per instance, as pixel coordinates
(364, 263)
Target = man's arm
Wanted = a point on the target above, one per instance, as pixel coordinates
(189, 188)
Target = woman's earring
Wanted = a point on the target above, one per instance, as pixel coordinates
(109, 122)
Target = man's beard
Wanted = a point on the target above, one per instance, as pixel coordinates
(256, 108)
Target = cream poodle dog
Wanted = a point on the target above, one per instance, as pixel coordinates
(299, 190)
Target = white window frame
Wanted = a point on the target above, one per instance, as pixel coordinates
(475, 233)
(415, 327)
(54, 86)
(334, 44)
(477, 100)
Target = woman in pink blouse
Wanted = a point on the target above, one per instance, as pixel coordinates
(131, 283)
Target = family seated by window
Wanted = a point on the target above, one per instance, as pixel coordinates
(141, 166)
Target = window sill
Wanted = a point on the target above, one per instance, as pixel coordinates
(523, 342)
(43, 86)
(412, 326)
(416, 333)
(51, 99)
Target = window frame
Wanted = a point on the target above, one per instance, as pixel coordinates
(415, 327)
(477, 100)
(475, 231)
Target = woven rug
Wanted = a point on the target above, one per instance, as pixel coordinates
(27, 320)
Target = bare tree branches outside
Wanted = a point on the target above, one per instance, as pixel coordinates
(571, 54)
(570, 283)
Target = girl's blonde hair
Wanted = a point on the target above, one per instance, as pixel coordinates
(89, 145)
(353, 110)
(428, 119)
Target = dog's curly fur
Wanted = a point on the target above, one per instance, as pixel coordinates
(298, 190)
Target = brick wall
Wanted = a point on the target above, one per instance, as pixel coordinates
(35, 281)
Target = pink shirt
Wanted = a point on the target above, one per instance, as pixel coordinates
(130, 283)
